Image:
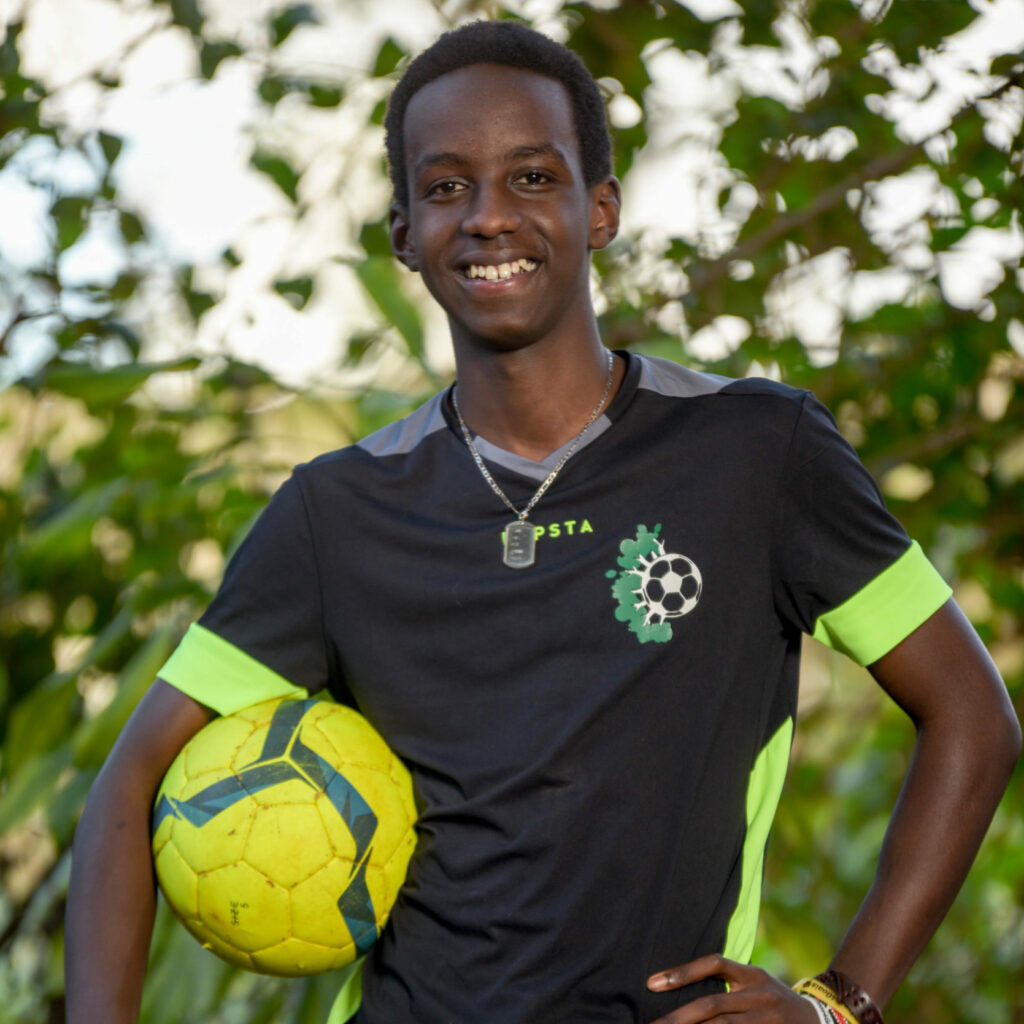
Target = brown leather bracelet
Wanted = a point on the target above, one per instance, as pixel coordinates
(851, 995)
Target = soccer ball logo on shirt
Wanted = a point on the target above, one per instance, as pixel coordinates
(654, 586)
(670, 587)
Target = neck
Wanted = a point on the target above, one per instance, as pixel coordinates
(531, 402)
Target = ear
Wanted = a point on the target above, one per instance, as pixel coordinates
(605, 204)
(401, 242)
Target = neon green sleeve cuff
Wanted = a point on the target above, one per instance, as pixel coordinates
(220, 675)
(886, 610)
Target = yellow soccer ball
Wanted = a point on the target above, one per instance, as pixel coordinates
(282, 834)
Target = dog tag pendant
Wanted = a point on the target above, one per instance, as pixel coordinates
(520, 543)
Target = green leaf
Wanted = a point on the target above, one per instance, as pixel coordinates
(274, 88)
(10, 59)
(132, 229)
(379, 276)
(798, 189)
(379, 112)
(70, 214)
(124, 287)
(100, 388)
(110, 637)
(603, 44)
(85, 333)
(321, 95)
(188, 14)
(760, 118)
(65, 535)
(913, 28)
(375, 239)
(388, 58)
(211, 54)
(269, 1008)
(282, 26)
(32, 786)
(39, 723)
(1007, 64)
(280, 171)
(111, 146)
(943, 238)
(95, 736)
(359, 345)
(198, 302)
(297, 290)
(759, 25)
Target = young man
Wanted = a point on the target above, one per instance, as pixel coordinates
(598, 720)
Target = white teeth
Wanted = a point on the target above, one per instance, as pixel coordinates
(502, 271)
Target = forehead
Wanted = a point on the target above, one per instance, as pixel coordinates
(484, 110)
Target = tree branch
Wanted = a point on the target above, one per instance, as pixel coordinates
(790, 221)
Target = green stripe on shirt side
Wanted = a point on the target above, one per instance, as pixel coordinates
(886, 610)
(350, 993)
(220, 675)
(763, 792)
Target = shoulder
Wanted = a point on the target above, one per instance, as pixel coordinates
(408, 433)
(752, 401)
(402, 437)
(673, 380)
(371, 462)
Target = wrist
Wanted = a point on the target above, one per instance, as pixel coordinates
(841, 996)
(852, 995)
(826, 1014)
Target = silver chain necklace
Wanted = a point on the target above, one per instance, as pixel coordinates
(520, 539)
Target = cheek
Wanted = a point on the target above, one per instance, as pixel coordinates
(432, 268)
(428, 233)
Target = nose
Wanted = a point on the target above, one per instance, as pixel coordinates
(491, 212)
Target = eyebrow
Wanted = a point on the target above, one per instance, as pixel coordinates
(541, 149)
(433, 159)
(451, 159)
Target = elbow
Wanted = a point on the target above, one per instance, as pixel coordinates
(998, 746)
(1013, 739)
(981, 742)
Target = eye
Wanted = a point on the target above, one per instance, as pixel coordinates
(448, 187)
(534, 178)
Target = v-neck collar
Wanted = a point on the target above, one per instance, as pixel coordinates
(533, 469)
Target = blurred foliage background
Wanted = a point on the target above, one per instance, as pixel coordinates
(845, 187)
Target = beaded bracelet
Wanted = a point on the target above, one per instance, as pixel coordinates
(823, 994)
(826, 1014)
(850, 994)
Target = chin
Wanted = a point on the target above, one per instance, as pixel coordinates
(497, 341)
(511, 334)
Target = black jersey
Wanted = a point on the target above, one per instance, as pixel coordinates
(597, 742)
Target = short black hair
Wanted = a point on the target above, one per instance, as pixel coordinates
(513, 44)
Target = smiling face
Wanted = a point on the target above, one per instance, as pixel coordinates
(499, 221)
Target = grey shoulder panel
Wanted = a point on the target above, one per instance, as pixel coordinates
(528, 467)
(664, 377)
(402, 437)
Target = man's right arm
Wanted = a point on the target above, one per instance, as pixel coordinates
(112, 897)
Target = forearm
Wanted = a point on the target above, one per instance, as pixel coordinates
(111, 904)
(968, 741)
(112, 896)
(944, 809)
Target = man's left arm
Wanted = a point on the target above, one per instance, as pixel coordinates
(968, 741)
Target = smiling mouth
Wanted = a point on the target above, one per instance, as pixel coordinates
(499, 271)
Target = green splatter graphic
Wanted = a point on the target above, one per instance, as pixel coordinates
(629, 609)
